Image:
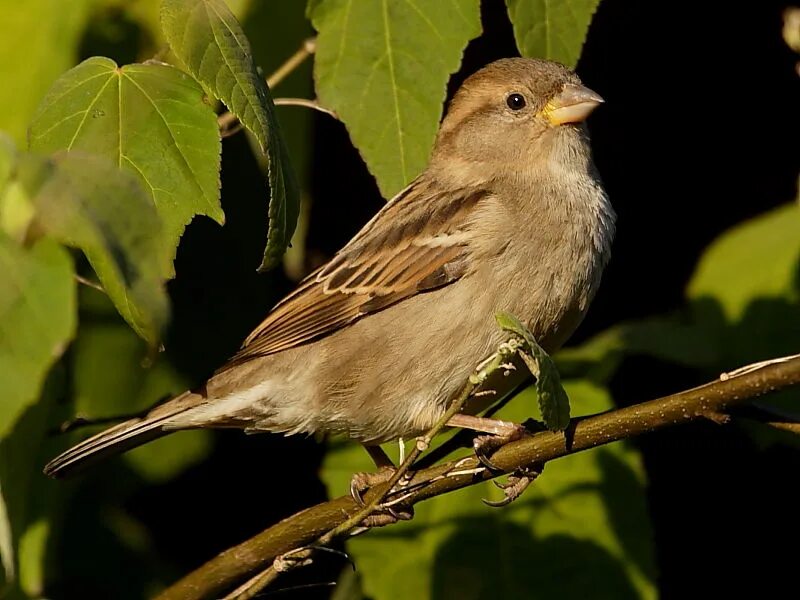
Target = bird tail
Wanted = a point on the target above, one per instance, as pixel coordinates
(122, 437)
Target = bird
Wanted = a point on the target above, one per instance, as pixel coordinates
(510, 214)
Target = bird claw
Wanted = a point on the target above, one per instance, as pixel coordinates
(361, 482)
(515, 485)
(301, 557)
(384, 515)
(387, 516)
(486, 445)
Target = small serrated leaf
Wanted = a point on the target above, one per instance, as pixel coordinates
(210, 42)
(509, 322)
(553, 400)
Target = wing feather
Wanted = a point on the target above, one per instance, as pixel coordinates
(417, 242)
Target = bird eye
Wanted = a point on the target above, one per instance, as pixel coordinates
(515, 101)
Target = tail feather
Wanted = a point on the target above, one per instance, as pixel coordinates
(120, 438)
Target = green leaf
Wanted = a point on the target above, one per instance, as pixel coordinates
(39, 41)
(383, 66)
(665, 338)
(110, 377)
(151, 119)
(37, 320)
(16, 209)
(21, 449)
(208, 39)
(553, 400)
(756, 260)
(87, 202)
(275, 30)
(552, 29)
(146, 14)
(580, 531)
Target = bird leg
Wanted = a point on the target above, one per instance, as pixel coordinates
(498, 433)
(379, 457)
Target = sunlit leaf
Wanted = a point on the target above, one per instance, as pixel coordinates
(37, 320)
(552, 29)
(383, 66)
(757, 259)
(151, 119)
(580, 531)
(209, 40)
(39, 41)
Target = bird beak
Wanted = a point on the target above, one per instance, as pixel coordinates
(572, 105)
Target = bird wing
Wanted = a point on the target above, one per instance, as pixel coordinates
(416, 243)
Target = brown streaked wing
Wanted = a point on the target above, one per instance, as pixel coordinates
(417, 242)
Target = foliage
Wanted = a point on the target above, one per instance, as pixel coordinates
(125, 150)
(571, 525)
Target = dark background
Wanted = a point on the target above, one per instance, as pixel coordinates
(699, 132)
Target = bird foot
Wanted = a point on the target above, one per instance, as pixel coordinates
(361, 482)
(515, 485)
(485, 445)
(383, 515)
(301, 557)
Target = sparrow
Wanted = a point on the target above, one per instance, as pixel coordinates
(509, 215)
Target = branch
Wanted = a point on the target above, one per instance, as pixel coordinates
(707, 401)
(313, 104)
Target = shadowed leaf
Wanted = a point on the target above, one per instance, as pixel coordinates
(87, 202)
(209, 40)
(109, 379)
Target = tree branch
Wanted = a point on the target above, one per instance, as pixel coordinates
(707, 401)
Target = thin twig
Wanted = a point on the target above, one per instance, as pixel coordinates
(89, 283)
(241, 561)
(227, 119)
(313, 104)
